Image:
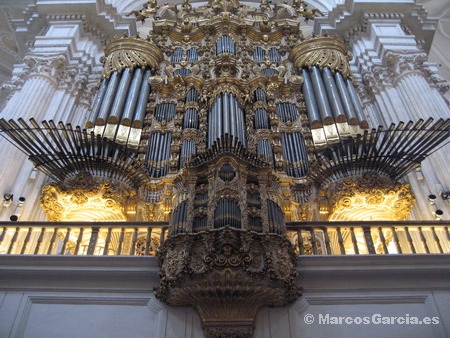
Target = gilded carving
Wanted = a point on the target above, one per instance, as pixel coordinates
(130, 53)
(368, 197)
(322, 52)
(84, 197)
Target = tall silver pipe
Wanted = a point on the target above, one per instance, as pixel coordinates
(109, 97)
(321, 96)
(345, 98)
(166, 158)
(150, 150)
(212, 123)
(99, 99)
(241, 125)
(257, 119)
(120, 97)
(226, 126)
(303, 152)
(310, 100)
(133, 94)
(333, 95)
(233, 116)
(141, 106)
(355, 101)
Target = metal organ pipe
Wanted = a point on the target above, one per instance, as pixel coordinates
(139, 113)
(260, 95)
(345, 98)
(133, 94)
(310, 100)
(356, 103)
(226, 117)
(258, 54)
(177, 55)
(227, 213)
(261, 119)
(333, 95)
(225, 45)
(321, 96)
(276, 222)
(108, 98)
(190, 119)
(120, 96)
(99, 99)
(187, 151)
(274, 55)
(192, 55)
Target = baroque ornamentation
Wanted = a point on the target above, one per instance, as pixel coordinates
(51, 67)
(130, 53)
(368, 197)
(85, 198)
(322, 52)
(227, 274)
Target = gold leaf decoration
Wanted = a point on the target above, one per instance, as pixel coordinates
(322, 52)
(130, 53)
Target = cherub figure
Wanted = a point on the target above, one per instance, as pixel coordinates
(310, 14)
(138, 15)
(147, 12)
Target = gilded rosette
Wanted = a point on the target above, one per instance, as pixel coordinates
(322, 52)
(130, 53)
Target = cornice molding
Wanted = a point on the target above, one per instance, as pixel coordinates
(140, 274)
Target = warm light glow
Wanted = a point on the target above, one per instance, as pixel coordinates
(84, 199)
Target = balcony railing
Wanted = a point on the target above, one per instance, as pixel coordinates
(144, 238)
(386, 237)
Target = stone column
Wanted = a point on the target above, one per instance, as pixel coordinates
(53, 83)
(401, 86)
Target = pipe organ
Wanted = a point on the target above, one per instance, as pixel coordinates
(224, 122)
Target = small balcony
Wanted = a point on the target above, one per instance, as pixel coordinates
(144, 238)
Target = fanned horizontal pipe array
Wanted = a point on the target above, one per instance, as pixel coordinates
(61, 151)
(394, 152)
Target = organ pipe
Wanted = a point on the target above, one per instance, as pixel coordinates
(99, 99)
(321, 97)
(226, 117)
(141, 105)
(192, 54)
(133, 95)
(356, 104)
(335, 102)
(106, 104)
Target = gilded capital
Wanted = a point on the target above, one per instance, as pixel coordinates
(130, 53)
(322, 51)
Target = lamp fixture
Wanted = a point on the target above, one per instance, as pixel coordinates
(21, 201)
(431, 199)
(438, 214)
(7, 199)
